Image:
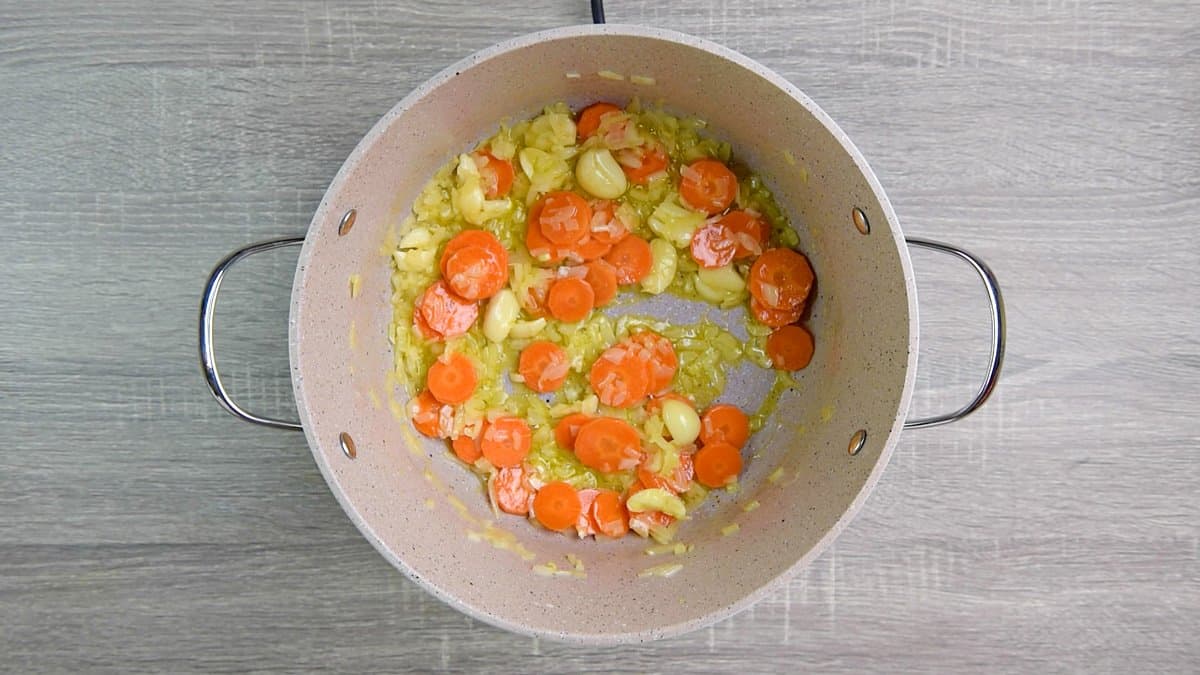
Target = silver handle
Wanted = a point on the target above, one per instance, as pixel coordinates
(996, 302)
(208, 359)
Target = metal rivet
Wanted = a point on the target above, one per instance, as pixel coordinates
(860, 221)
(857, 441)
(347, 222)
(347, 445)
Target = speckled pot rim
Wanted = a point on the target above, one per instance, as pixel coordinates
(322, 214)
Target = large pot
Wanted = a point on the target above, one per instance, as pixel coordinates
(811, 467)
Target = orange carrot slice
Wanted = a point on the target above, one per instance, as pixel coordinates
(608, 444)
(564, 217)
(780, 278)
(475, 273)
(678, 481)
(606, 227)
(717, 465)
(662, 363)
(724, 423)
(567, 429)
(446, 312)
(571, 299)
(510, 490)
(602, 277)
(474, 239)
(506, 441)
(466, 448)
(609, 514)
(452, 378)
(790, 348)
(589, 118)
(707, 185)
(497, 174)
(643, 164)
(750, 232)
(713, 245)
(556, 506)
(632, 259)
(775, 317)
(618, 377)
(425, 411)
(544, 366)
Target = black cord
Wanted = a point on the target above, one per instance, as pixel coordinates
(597, 11)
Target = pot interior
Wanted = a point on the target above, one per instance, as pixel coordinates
(428, 515)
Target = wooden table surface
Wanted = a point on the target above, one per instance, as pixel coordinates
(143, 529)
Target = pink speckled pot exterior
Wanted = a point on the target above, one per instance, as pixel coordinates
(424, 512)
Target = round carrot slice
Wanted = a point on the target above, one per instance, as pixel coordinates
(452, 378)
(724, 423)
(589, 248)
(790, 347)
(717, 465)
(644, 522)
(643, 164)
(510, 490)
(679, 480)
(609, 514)
(446, 312)
(602, 277)
(567, 429)
(506, 441)
(608, 444)
(422, 326)
(749, 231)
(466, 448)
(564, 218)
(619, 378)
(544, 366)
(775, 317)
(707, 185)
(606, 226)
(571, 299)
(474, 239)
(589, 118)
(556, 506)
(663, 361)
(542, 249)
(632, 259)
(713, 245)
(780, 278)
(425, 411)
(474, 273)
(497, 174)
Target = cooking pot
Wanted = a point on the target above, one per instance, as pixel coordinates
(807, 472)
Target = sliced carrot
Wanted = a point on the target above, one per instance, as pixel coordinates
(506, 441)
(588, 248)
(571, 299)
(750, 232)
(564, 218)
(473, 239)
(707, 185)
(790, 347)
(724, 423)
(534, 301)
(780, 278)
(497, 174)
(643, 164)
(602, 277)
(644, 522)
(510, 490)
(543, 365)
(618, 377)
(466, 448)
(589, 118)
(606, 226)
(609, 514)
(632, 259)
(446, 312)
(608, 444)
(585, 524)
(717, 465)
(679, 480)
(426, 412)
(775, 317)
(556, 506)
(567, 429)
(422, 326)
(662, 362)
(713, 245)
(475, 273)
(542, 249)
(452, 378)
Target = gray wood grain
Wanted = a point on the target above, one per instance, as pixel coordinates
(143, 529)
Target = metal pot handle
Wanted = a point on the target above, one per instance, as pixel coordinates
(208, 304)
(996, 303)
